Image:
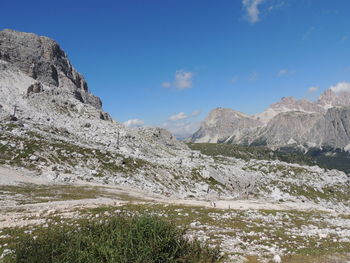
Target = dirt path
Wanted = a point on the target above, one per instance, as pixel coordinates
(13, 214)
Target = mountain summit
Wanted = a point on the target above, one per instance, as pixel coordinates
(289, 122)
(42, 59)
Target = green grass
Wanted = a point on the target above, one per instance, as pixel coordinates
(62, 153)
(118, 239)
(254, 228)
(30, 193)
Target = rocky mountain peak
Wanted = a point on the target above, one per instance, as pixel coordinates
(289, 121)
(219, 113)
(42, 59)
(329, 99)
(220, 123)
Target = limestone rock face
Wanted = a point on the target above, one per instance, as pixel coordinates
(290, 128)
(289, 122)
(336, 127)
(287, 104)
(42, 59)
(221, 124)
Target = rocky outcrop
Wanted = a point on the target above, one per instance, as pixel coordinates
(335, 127)
(287, 104)
(289, 128)
(221, 124)
(331, 99)
(35, 88)
(42, 59)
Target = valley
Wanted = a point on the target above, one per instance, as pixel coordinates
(65, 162)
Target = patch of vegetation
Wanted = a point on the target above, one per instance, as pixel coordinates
(287, 232)
(250, 152)
(326, 157)
(119, 239)
(330, 158)
(30, 193)
(296, 232)
(18, 150)
(335, 193)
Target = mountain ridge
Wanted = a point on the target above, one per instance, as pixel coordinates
(300, 123)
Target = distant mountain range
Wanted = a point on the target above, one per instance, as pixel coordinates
(287, 123)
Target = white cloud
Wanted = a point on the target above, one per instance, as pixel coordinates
(341, 87)
(313, 89)
(182, 115)
(134, 123)
(251, 8)
(284, 72)
(166, 85)
(182, 80)
(179, 116)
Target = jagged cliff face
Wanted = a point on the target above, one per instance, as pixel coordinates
(331, 99)
(42, 59)
(288, 104)
(289, 122)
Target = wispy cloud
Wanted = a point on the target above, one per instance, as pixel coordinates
(284, 72)
(313, 89)
(178, 116)
(182, 124)
(307, 34)
(195, 113)
(182, 80)
(341, 87)
(181, 115)
(251, 8)
(253, 76)
(166, 85)
(254, 9)
(134, 123)
(276, 5)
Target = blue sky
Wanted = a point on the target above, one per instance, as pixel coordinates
(169, 62)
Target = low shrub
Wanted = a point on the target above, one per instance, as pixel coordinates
(119, 239)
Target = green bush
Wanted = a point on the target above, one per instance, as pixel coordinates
(119, 239)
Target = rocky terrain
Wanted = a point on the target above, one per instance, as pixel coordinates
(59, 152)
(288, 123)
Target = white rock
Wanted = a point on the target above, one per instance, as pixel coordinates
(277, 259)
